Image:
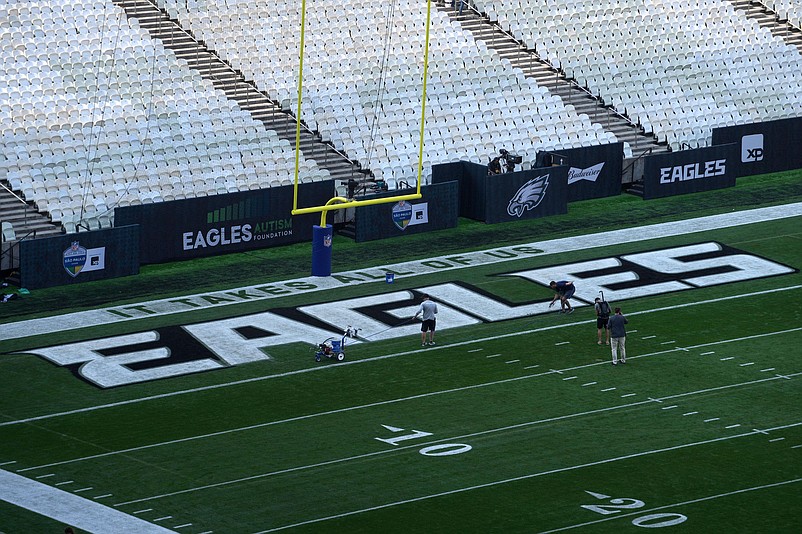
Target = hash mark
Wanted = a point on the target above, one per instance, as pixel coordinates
(9, 463)
(669, 407)
(493, 356)
(531, 366)
(797, 447)
(163, 518)
(775, 439)
(668, 342)
(569, 378)
(589, 384)
(476, 350)
(728, 358)
(689, 413)
(745, 364)
(648, 337)
(708, 352)
(46, 476)
(184, 525)
(712, 419)
(513, 361)
(64, 483)
(766, 370)
(628, 395)
(562, 343)
(608, 389)
(143, 511)
(104, 496)
(732, 426)
(83, 489)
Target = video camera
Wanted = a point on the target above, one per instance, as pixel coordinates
(510, 160)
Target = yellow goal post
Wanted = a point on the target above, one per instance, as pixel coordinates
(337, 202)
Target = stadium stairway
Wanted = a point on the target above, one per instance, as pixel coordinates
(556, 81)
(28, 223)
(237, 88)
(770, 20)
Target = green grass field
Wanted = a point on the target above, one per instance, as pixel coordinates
(515, 421)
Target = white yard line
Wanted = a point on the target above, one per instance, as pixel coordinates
(525, 477)
(155, 308)
(442, 440)
(403, 399)
(341, 365)
(68, 508)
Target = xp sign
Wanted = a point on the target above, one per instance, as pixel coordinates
(178, 350)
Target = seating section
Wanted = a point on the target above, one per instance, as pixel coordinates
(363, 81)
(680, 68)
(95, 114)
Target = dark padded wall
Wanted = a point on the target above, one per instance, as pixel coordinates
(52, 261)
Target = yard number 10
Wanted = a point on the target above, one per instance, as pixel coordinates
(443, 449)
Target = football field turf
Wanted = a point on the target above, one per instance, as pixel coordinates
(515, 421)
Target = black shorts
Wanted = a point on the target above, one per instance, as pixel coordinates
(427, 325)
(601, 322)
(569, 292)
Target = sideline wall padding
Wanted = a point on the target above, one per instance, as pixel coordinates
(219, 224)
(82, 257)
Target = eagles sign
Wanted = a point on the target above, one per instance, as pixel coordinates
(528, 196)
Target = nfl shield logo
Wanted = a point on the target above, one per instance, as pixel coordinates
(74, 259)
(402, 214)
(327, 240)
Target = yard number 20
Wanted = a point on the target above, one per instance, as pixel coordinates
(618, 504)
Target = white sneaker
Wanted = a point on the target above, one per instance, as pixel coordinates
(431, 343)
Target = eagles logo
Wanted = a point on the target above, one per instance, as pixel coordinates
(528, 196)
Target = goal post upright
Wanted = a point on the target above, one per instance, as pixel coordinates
(324, 232)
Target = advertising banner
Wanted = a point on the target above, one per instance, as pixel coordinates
(527, 194)
(437, 210)
(764, 147)
(593, 172)
(689, 171)
(218, 224)
(82, 257)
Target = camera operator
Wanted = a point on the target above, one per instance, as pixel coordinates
(494, 167)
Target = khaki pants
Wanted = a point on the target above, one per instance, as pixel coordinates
(617, 343)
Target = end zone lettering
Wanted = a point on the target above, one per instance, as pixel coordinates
(172, 351)
(693, 171)
(217, 236)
